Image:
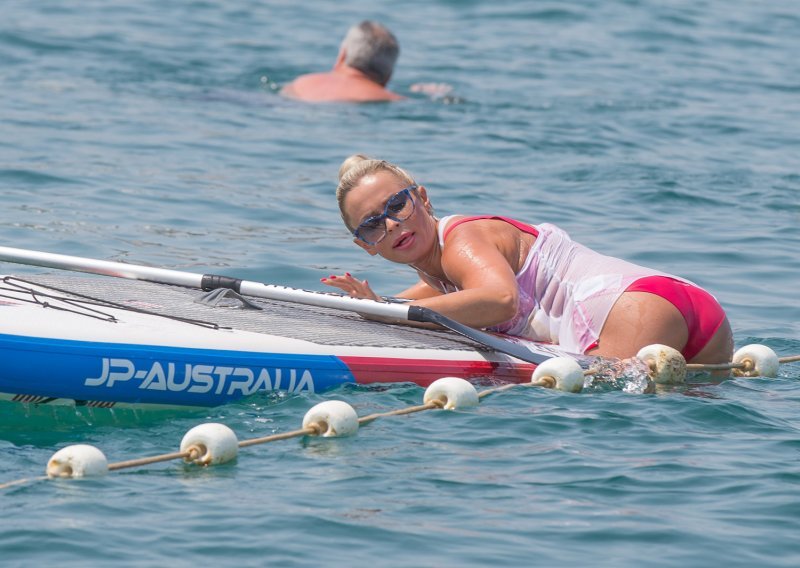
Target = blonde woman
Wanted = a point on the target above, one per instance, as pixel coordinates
(524, 280)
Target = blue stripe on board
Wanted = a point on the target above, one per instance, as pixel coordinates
(154, 374)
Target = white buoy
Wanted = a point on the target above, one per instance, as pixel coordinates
(452, 392)
(334, 418)
(762, 361)
(80, 460)
(667, 365)
(560, 373)
(215, 444)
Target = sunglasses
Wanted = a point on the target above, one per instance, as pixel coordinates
(399, 207)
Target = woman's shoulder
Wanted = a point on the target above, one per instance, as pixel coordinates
(451, 222)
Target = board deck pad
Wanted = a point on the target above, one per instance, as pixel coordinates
(324, 326)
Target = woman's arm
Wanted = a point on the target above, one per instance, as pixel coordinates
(488, 293)
(418, 291)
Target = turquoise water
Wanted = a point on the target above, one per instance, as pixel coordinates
(665, 133)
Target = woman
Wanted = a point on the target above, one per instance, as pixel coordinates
(529, 281)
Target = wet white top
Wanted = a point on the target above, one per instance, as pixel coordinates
(566, 290)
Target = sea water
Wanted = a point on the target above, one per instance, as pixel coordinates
(662, 132)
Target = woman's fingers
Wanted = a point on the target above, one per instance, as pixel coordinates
(351, 285)
(337, 282)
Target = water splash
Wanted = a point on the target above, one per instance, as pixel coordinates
(628, 375)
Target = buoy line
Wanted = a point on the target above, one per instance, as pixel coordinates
(214, 443)
(746, 366)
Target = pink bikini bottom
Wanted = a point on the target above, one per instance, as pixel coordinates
(702, 312)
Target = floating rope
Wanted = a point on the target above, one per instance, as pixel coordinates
(204, 446)
(199, 452)
(214, 443)
(432, 405)
(744, 366)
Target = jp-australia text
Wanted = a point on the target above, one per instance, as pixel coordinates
(201, 379)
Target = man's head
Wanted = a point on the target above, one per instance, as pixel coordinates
(372, 49)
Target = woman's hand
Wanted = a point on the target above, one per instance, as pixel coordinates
(354, 287)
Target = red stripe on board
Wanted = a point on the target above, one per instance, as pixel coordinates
(424, 371)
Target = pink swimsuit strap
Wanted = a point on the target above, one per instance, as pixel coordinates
(700, 310)
(521, 226)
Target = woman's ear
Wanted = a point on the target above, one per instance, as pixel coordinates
(369, 248)
(423, 198)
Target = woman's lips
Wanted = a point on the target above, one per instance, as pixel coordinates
(405, 241)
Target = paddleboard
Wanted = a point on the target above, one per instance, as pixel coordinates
(102, 342)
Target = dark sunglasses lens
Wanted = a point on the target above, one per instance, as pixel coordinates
(397, 202)
(400, 206)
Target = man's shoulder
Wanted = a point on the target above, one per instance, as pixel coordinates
(303, 81)
(333, 87)
(295, 87)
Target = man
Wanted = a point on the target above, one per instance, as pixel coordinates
(362, 69)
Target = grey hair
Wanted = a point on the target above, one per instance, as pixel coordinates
(357, 167)
(372, 49)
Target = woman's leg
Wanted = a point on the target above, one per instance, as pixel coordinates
(719, 348)
(639, 319)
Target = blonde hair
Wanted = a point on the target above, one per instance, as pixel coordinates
(357, 167)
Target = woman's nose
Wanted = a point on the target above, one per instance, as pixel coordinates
(391, 224)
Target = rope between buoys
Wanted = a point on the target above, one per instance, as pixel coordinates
(487, 392)
(744, 365)
(747, 365)
(312, 430)
(434, 404)
(22, 481)
(191, 453)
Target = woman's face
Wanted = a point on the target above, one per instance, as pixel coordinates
(405, 241)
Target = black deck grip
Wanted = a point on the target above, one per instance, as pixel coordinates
(418, 313)
(214, 281)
